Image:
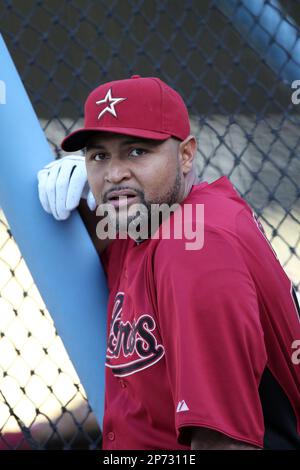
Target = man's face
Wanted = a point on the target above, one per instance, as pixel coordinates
(150, 170)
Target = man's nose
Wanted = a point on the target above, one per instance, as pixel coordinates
(117, 171)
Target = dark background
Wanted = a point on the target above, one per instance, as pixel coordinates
(63, 49)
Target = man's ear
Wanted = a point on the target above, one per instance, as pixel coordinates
(187, 153)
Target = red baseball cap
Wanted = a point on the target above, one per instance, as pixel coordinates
(142, 107)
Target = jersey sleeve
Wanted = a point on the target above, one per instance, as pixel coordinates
(214, 345)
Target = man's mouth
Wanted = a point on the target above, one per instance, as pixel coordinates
(122, 198)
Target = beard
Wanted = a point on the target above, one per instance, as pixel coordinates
(142, 221)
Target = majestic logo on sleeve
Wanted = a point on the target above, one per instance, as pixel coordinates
(131, 347)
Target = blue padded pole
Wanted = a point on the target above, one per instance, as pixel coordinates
(273, 36)
(60, 255)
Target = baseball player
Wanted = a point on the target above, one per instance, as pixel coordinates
(203, 345)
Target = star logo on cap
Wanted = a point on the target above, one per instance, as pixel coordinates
(111, 103)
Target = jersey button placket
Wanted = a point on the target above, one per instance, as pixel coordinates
(111, 436)
(123, 383)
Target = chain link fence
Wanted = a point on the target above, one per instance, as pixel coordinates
(241, 112)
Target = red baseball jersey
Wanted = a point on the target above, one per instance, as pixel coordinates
(201, 337)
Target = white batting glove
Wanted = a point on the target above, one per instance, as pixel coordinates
(61, 184)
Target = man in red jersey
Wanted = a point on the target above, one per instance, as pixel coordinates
(201, 343)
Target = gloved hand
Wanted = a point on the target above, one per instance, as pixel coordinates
(61, 184)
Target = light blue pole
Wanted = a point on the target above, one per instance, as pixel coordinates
(258, 21)
(60, 255)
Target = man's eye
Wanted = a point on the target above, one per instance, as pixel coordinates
(98, 157)
(137, 152)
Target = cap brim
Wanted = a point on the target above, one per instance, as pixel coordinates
(77, 140)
